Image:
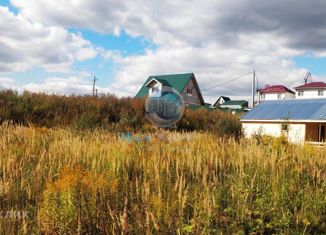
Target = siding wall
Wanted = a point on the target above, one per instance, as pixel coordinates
(310, 94)
(194, 98)
(274, 96)
(296, 132)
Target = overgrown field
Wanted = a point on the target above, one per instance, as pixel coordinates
(87, 182)
(104, 112)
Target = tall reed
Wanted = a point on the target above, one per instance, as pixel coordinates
(94, 182)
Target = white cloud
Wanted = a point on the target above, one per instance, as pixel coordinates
(24, 44)
(215, 64)
(67, 86)
(85, 54)
(217, 40)
(61, 86)
(7, 83)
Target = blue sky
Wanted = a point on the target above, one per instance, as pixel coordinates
(11, 7)
(103, 69)
(58, 46)
(315, 65)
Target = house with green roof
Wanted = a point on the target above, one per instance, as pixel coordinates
(234, 105)
(185, 84)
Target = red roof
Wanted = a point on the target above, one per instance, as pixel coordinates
(275, 89)
(312, 85)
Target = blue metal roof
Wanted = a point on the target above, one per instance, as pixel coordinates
(299, 109)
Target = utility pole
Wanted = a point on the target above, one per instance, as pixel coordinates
(94, 90)
(253, 88)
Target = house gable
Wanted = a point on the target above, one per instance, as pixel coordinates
(221, 100)
(191, 93)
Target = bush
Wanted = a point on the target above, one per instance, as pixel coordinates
(106, 111)
(219, 123)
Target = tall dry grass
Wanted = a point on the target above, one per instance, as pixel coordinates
(73, 182)
(103, 112)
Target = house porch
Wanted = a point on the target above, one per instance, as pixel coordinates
(315, 132)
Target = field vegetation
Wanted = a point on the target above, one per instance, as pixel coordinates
(104, 112)
(74, 181)
(94, 165)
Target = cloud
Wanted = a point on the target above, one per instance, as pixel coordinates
(214, 64)
(7, 83)
(24, 44)
(61, 86)
(217, 40)
(300, 23)
(76, 85)
(68, 86)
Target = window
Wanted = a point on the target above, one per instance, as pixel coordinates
(262, 96)
(284, 128)
(320, 93)
(279, 96)
(189, 91)
(154, 89)
(300, 93)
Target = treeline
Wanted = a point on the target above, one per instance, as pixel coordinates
(105, 111)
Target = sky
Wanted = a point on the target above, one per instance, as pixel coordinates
(59, 46)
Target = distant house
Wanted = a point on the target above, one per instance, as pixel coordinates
(301, 120)
(185, 84)
(221, 100)
(276, 92)
(234, 105)
(311, 90)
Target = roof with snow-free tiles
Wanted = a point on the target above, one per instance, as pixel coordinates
(177, 81)
(287, 110)
(275, 89)
(311, 85)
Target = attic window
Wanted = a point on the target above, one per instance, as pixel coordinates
(154, 89)
(320, 93)
(189, 91)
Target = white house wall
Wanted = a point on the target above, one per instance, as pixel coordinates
(296, 132)
(156, 93)
(231, 106)
(250, 129)
(310, 94)
(274, 96)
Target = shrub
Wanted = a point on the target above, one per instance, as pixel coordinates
(106, 111)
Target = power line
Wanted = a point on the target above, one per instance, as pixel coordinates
(227, 82)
